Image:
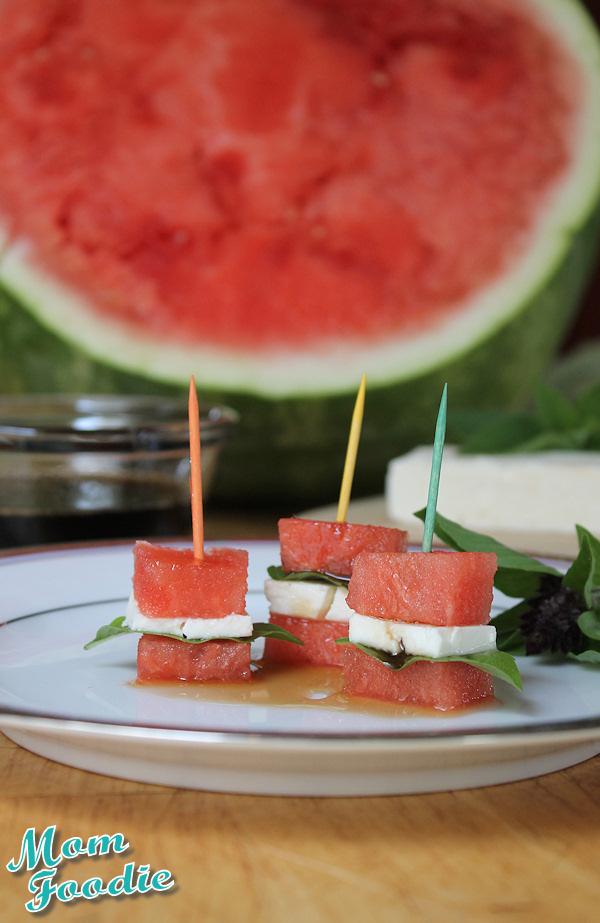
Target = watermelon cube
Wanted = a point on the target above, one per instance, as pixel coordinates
(331, 547)
(443, 686)
(169, 583)
(435, 588)
(162, 659)
(194, 597)
(318, 638)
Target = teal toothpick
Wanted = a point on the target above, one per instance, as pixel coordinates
(436, 464)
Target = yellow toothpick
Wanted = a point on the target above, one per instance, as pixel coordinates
(196, 478)
(351, 451)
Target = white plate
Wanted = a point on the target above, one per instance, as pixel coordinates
(81, 707)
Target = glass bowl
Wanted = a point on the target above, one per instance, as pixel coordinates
(86, 467)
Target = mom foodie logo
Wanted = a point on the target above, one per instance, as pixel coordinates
(42, 884)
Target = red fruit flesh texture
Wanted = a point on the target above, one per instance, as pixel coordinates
(318, 636)
(267, 173)
(161, 659)
(443, 686)
(331, 547)
(171, 583)
(434, 588)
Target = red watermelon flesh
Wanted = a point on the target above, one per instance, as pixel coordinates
(267, 173)
(443, 686)
(169, 583)
(435, 588)
(317, 635)
(331, 547)
(162, 659)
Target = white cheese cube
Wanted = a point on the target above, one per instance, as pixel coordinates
(230, 626)
(308, 599)
(427, 640)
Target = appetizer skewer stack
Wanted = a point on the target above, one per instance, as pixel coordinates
(307, 595)
(413, 612)
(196, 597)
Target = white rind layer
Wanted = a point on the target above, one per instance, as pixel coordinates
(230, 626)
(331, 367)
(418, 639)
(308, 600)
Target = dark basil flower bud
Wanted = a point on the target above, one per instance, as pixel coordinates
(550, 623)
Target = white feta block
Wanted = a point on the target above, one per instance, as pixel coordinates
(426, 640)
(530, 500)
(308, 599)
(230, 626)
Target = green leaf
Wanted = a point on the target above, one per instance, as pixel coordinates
(557, 422)
(277, 573)
(108, 631)
(590, 656)
(259, 630)
(508, 629)
(501, 433)
(589, 622)
(497, 663)
(267, 630)
(584, 573)
(518, 575)
(555, 412)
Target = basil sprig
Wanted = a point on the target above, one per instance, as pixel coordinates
(497, 663)
(259, 630)
(555, 423)
(277, 573)
(557, 613)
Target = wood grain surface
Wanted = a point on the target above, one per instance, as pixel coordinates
(525, 851)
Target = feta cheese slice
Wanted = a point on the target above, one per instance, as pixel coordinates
(230, 626)
(426, 640)
(527, 500)
(308, 599)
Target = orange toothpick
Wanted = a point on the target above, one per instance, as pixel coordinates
(196, 478)
(351, 451)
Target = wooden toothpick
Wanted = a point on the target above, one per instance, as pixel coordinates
(351, 451)
(196, 478)
(436, 464)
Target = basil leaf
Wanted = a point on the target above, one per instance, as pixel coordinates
(267, 630)
(501, 433)
(589, 622)
(496, 663)
(589, 656)
(584, 573)
(556, 422)
(517, 575)
(276, 572)
(508, 629)
(108, 631)
(259, 630)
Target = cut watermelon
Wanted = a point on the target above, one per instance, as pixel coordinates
(161, 659)
(443, 686)
(318, 638)
(169, 583)
(437, 588)
(434, 590)
(175, 593)
(277, 196)
(313, 546)
(331, 547)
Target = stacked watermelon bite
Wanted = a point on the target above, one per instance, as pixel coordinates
(307, 595)
(192, 613)
(432, 606)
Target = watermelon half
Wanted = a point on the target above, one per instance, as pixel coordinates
(281, 195)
